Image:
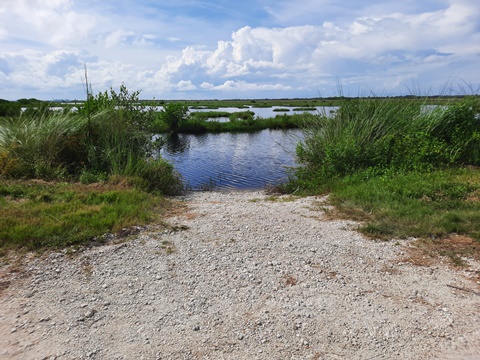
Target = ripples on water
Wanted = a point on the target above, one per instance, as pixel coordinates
(233, 161)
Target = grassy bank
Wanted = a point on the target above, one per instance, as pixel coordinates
(39, 215)
(49, 158)
(403, 169)
(176, 118)
(109, 136)
(247, 124)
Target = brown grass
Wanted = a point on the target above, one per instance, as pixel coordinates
(453, 248)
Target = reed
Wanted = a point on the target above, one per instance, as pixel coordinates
(381, 135)
(110, 135)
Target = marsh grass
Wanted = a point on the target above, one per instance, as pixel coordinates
(109, 136)
(39, 215)
(197, 125)
(381, 135)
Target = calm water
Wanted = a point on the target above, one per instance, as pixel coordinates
(233, 161)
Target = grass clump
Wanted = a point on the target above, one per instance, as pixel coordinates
(198, 124)
(386, 135)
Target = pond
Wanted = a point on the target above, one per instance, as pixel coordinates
(233, 161)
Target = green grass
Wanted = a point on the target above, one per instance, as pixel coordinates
(305, 109)
(205, 115)
(38, 215)
(196, 125)
(109, 136)
(427, 205)
(379, 136)
(438, 208)
(299, 102)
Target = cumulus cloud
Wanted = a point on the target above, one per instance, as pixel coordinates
(380, 47)
(394, 47)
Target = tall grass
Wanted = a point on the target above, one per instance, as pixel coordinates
(198, 125)
(402, 168)
(391, 134)
(109, 136)
(46, 146)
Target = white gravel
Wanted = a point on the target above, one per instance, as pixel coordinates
(248, 279)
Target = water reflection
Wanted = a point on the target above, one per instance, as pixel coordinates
(241, 161)
(176, 143)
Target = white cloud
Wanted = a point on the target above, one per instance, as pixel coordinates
(44, 44)
(52, 22)
(185, 85)
(246, 86)
(117, 37)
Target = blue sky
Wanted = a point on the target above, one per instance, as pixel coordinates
(189, 49)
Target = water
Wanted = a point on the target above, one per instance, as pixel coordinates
(233, 161)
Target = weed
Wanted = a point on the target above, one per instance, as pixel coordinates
(109, 135)
(168, 247)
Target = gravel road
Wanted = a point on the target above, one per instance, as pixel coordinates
(238, 276)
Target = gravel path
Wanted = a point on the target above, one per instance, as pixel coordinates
(248, 279)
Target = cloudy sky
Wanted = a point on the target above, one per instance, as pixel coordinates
(223, 49)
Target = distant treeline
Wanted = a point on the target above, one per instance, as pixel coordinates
(14, 108)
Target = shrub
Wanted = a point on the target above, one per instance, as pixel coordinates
(386, 134)
(173, 114)
(108, 136)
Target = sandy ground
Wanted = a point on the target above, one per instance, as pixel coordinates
(238, 276)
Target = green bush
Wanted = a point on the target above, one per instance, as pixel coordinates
(386, 134)
(8, 108)
(173, 114)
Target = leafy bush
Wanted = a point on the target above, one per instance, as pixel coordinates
(173, 114)
(8, 108)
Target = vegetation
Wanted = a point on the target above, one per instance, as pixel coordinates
(9, 108)
(173, 115)
(197, 125)
(402, 167)
(110, 135)
(305, 109)
(38, 215)
(108, 142)
(386, 136)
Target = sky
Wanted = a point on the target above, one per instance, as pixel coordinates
(248, 49)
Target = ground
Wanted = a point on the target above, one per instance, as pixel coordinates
(240, 275)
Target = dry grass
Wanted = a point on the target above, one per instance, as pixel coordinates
(454, 249)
